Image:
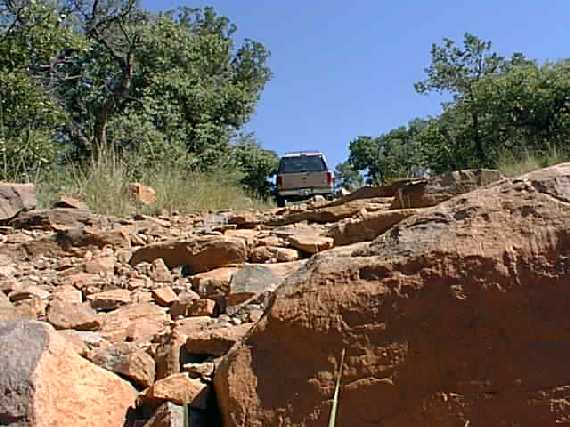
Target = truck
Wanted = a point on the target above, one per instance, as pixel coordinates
(302, 175)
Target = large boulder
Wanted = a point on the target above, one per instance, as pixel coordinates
(199, 255)
(457, 316)
(424, 193)
(15, 198)
(44, 382)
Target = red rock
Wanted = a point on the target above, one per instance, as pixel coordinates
(457, 316)
(44, 382)
(167, 415)
(311, 243)
(109, 300)
(217, 341)
(142, 194)
(67, 315)
(70, 202)
(179, 389)
(159, 272)
(15, 198)
(213, 283)
(367, 227)
(200, 254)
(165, 296)
(429, 192)
(193, 307)
(100, 265)
(134, 322)
(128, 360)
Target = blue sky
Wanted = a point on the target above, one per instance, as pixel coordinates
(347, 68)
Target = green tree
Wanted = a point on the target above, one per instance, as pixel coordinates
(346, 176)
(456, 70)
(255, 163)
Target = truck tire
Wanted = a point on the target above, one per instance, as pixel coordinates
(281, 202)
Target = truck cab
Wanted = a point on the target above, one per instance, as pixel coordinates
(302, 175)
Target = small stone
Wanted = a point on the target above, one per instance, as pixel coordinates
(109, 300)
(165, 296)
(179, 389)
(200, 370)
(103, 265)
(159, 272)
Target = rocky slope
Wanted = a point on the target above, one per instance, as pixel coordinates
(449, 314)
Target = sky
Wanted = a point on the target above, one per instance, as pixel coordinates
(342, 69)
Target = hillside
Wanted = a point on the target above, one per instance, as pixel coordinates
(448, 296)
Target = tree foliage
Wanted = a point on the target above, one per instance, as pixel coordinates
(497, 105)
(92, 75)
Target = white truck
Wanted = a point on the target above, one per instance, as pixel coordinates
(302, 175)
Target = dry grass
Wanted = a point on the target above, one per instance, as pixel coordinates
(512, 165)
(102, 185)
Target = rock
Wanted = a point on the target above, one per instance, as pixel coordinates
(7, 310)
(429, 192)
(255, 279)
(134, 322)
(217, 341)
(109, 300)
(70, 202)
(214, 283)
(67, 294)
(457, 316)
(159, 272)
(52, 219)
(249, 236)
(45, 382)
(15, 198)
(167, 415)
(311, 243)
(93, 237)
(141, 194)
(367, 227)
(128, 360)
(200, 370)
(203, 307)
(244, 219)
(168, 354)
(199, 255)
(179, 389)
(263, 254)
(182, 306)
(101, 265)
(165, 296)
(69, 315)
(330, 213)
(194, 307)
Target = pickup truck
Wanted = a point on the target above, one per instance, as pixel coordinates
(302, 175)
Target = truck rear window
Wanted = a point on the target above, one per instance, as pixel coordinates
(302, 164)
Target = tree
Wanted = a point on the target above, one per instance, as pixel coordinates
(255, 163)
(346, 176)
(456, 70)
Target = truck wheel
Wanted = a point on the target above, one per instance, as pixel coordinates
(281, 202)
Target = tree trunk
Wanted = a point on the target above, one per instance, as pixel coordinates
(480, 152)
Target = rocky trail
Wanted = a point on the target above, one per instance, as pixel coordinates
(450, 297)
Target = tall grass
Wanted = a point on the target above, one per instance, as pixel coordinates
(514, 164)
(102, 183)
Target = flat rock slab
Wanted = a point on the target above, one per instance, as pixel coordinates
(44, 382)
(199, 255)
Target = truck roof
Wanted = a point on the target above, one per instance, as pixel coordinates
(303, 153)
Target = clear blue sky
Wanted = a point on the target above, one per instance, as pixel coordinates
(347, 68)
